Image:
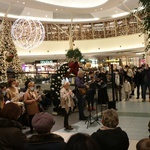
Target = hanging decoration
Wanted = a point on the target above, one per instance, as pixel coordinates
(73, 56)
(27, 34)
(9, 56)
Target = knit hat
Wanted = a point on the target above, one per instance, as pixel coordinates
(43, 122)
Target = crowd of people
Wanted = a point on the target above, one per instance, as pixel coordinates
(17, 106)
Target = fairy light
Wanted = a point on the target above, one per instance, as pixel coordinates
(27, 33)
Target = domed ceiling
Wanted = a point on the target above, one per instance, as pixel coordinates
(68, 10)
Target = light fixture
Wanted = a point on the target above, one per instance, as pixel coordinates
(27, 33)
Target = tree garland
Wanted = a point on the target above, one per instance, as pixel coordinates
(146, 12)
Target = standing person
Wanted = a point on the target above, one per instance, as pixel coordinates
(66, 102)
(79, 83)
(11, 135)
(145, 82)
(31, 102)
(45, 139)
(109, 136)
(91, 91)
(118, 85)
(127, 89)
(102, 87)
(138, 81)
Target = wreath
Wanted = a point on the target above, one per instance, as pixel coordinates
(74, 55)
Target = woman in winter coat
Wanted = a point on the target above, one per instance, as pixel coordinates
(11, 135)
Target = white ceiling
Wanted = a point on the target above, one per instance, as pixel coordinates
(70, 11)
(67, 10)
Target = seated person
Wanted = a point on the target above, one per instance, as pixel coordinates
(143, 144)
(45, 140)
(80, 141)
(11, 135)
(109, 136)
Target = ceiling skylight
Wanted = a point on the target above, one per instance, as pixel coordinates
(75, 3)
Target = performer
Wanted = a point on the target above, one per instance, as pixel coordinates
(91, 91)
(66, 101)
(102, 87)
(79, 83)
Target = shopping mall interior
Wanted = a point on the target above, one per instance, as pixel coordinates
(106, 32)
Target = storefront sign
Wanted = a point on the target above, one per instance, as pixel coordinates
(46, 61)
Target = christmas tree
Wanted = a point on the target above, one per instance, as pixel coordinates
(56, 86)
(9, 57)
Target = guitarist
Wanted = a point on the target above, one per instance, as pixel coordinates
(79, 83)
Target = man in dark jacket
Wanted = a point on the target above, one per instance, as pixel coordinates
(109, 136)
(43, 122)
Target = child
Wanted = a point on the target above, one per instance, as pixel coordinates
(127, 89)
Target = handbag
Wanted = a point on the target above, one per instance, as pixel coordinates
(82, 91)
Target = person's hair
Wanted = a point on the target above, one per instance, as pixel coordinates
(10, 81)
(11, 111)
(2, 85)
(38, 86)
(143, 144)
(26, 84)
(110, 118)
(30, 83)
(80, 141)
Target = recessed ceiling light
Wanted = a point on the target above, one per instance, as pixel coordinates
(56, 9)
(23, 3)
(28, 13)
(17, 1)
(116, 11)
(46, 16)
(101, 8)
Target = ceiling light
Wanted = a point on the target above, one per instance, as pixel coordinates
(17, 1)
(46, 16)
(23, 3)
(74, 3)
(28, 13)
(56, 9)
(116, 11)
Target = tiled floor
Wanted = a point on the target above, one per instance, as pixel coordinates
(134, 116)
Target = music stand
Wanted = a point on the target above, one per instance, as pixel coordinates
(90, 120)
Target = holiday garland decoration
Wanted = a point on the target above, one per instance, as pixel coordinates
(146, 12)
(9, 57)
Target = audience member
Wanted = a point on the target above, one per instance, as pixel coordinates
(127, 89)
(3, 90)
(66, 102)
(143, 144)
(31, 102)
(109, 136)
(11, 135)
(1, 102)
(81, 141)
(44, 140)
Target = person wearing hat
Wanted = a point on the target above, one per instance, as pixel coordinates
(66, 101)
(79, 83)
(45, 140)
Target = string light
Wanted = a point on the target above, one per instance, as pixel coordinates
(27, 33)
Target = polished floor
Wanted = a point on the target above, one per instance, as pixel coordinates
(134, 116)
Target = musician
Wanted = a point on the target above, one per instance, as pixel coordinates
(79, 83)
(91, 91)
(102, 87)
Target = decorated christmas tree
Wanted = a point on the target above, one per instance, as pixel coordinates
(56, 86)
(9, 57)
